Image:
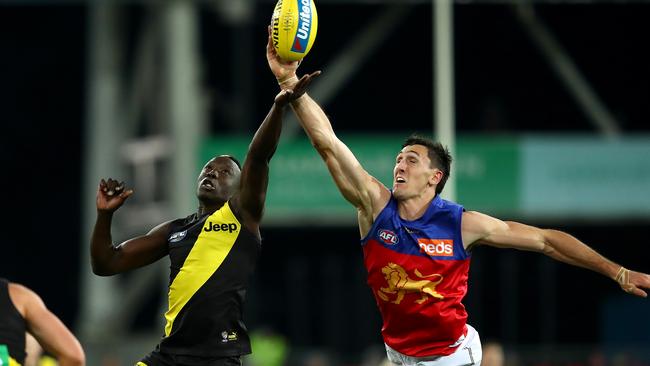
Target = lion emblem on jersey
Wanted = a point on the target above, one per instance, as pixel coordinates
(400, 283)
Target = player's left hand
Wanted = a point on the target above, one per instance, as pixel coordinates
(283, 70)
(633, 282)
(289, 95)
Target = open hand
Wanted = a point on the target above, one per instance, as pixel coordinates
(289, 95)
(111, 194)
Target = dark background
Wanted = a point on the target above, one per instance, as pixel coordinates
(310, 283)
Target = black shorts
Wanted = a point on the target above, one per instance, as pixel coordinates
(156, 358)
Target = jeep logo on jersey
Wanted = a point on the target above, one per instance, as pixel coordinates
(437, 247)
(388, 237)
(177, 236)
(304, 26)
(210, 226)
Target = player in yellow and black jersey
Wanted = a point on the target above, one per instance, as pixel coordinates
(22, 311)
(212, 252)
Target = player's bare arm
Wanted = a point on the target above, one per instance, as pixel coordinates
(354, 182)
(33, 349)
(358, 187)
(48, 330)
(108, 259)
(255, 171)
(478, 228)
(284, 71)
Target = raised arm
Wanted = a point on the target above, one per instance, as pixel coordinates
(107, 259)
(48, 330)
(255, 171)
(358, 187)
(483, 229)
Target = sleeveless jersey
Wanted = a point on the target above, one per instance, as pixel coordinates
(417, 271)
(12, 327)
(212, 258)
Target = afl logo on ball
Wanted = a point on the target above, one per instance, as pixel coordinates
(388, 237)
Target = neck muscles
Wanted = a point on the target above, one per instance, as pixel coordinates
(413, 208)
(209, 208)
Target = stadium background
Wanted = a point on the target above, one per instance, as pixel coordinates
(310, 285)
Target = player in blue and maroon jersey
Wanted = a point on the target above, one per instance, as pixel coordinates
(417, 246)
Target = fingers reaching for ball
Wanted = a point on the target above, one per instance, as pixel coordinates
(282, 70)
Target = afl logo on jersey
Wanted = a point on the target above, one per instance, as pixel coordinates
(388, 237)
(177, 236)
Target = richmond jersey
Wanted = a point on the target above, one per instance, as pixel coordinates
(417, 271)
(212, 258)
(12, 329)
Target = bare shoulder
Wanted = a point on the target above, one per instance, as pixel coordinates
(473, 221)
(474, 218)
(162, 228)
(249, 221)
(23, 297)
(18, 291)
(475, 226)
(379, 197)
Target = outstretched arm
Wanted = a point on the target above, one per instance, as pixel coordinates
(48, 330)
(107, 259)
(255, 171)
(482, 229)
(358, 187)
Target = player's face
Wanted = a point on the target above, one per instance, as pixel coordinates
(218, 181)
(413, 173)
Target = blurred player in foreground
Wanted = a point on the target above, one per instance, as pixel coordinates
(417, 246)
(21, 311)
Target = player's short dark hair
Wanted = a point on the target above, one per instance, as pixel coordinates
(234, 159)
(438, 154)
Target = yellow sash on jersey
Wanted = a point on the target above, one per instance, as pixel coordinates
(207, 254)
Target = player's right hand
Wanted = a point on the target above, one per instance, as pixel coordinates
(111, 194)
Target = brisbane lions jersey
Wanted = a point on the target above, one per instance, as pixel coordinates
(417, 271)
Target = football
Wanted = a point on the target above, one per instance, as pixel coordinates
(294, 25)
